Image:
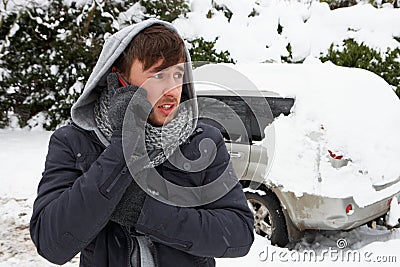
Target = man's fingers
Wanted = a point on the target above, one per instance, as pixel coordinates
(141, 106)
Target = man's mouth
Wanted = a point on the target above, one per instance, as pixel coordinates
(166, 108)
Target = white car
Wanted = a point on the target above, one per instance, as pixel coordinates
(316, 146)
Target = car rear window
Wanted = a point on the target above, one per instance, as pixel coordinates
(262, 116)
(242, 119)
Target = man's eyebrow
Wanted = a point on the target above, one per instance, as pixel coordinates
(181, 68)
(156, 69)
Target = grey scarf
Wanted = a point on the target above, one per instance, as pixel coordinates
(165, 140)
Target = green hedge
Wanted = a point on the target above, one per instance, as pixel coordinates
(49, 58)
(353, 54)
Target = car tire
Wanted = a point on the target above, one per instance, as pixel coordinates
(269, 220)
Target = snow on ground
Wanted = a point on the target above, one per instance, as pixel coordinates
(394, 213)
(16, 247)
(23, 162)
(22, 158)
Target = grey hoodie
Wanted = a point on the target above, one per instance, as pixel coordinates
(82, 112)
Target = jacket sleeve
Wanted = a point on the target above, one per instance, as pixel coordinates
(71, 208)
(223, 228)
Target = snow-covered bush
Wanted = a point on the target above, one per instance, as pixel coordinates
(167, 10)
(353, 54)
(48, 53)
(334, 4)
(203, 51)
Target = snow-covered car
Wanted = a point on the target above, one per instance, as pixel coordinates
(315, 145)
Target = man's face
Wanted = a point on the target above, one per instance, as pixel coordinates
(164, 89)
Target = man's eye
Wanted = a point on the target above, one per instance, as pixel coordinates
(178, 75)
(158, 76)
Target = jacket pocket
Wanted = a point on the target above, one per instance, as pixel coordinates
(117, 179)
(160, 238)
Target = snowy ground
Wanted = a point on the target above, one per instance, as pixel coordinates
(22, 159)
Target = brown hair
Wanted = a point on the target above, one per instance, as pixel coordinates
(149, 46)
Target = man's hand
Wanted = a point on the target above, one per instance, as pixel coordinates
(120, 99)
(133, 98)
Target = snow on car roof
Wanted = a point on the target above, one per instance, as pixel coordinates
(286, 79)
(354, 113)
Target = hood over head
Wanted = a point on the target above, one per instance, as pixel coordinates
(82, 112)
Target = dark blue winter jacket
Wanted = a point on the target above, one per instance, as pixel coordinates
(83, 181)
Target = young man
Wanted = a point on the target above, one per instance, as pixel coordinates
(108, 186)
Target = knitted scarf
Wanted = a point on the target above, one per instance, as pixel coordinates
(165, 139)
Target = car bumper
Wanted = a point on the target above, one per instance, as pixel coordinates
(325, 213)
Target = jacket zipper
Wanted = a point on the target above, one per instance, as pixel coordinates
(168, 243)
(130, 249)
(110, 187)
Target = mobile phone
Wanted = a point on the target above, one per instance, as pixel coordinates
(121, 78)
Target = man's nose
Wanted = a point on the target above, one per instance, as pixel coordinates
(172, 86)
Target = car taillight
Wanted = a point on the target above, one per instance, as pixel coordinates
(333, 155)
(349, 209)
(390, 201)
(337, 161)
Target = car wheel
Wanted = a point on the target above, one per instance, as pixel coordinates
(269, 220)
